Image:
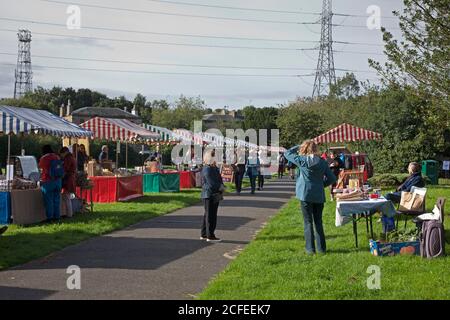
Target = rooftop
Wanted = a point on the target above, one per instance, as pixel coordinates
(104, 113)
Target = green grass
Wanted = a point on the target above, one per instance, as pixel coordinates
(22, 244)
(274, 265)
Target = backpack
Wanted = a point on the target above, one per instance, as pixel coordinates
(432, 239)
(56, 169)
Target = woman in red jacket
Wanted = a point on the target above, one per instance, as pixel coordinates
(69, 179)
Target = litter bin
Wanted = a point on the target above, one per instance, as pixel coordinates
(430, 168)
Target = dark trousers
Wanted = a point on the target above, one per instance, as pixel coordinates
(252, 181)
(209, 218)
(280, 171)
(260, 181)
(312, 217)
(238, 178)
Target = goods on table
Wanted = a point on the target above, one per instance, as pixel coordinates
(356, 195)
(22, 184)
(5, 185)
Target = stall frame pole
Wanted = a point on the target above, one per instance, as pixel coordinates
(126, 155)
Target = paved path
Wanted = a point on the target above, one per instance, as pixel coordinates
(161, 258)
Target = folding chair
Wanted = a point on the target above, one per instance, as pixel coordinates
(412, 213)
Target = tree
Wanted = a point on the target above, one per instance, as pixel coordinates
(182, 116)
(420, 63)
(422, 59)
(297, 124)
(346, 87)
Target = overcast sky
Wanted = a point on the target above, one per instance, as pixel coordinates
(217, 91)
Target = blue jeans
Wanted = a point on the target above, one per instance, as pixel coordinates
(312, 215)
(389, 223)
(252, 181)
(51, 191)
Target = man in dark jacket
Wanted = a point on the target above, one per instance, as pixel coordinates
(414, 180)
(212, 187)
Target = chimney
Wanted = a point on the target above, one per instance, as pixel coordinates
(134, 111)
(61, 110)
(125, 109)
(69, 108)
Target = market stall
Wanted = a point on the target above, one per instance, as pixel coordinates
(21, 199)
(357, 166)
(111, 184)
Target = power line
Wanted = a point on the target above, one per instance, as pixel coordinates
(234, 8)
(176, 64)
(178, 14)
(170, 34)
(161, 33)
(173, 43)
(172, 73)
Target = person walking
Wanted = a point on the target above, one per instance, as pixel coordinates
(51, 176)
(281, 165)
(262, 165)
(314, 176)
(212, 194)
(239, 172)
(69, 179)
(253, 166)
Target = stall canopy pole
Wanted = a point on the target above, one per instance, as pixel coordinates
(9, 150)
(126, 154)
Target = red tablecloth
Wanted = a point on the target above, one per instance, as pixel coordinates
(186, 180)
(113, 189)
(129, 188)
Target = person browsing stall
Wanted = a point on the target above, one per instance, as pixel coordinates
(314, 176)
(69, 179)
(51, 179)
(103, 155)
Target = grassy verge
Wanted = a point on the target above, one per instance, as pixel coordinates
(274, 265)
(22, 244)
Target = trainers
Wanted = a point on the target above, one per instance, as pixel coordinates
(213, 239)
(3, 229)
(203, 238)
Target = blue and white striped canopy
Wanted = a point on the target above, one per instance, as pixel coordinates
(15, 120)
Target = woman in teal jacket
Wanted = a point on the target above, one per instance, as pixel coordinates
(314, 176)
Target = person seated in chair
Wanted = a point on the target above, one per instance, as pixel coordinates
(414, 180)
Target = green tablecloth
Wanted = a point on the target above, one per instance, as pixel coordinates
(161, 182)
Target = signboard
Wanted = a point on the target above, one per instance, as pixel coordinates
(29, 166)
(446, 166)
(227, 173)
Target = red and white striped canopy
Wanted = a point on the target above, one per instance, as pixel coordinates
(347, 133)
(118, 130)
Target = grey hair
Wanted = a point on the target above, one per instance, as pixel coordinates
(209, 157)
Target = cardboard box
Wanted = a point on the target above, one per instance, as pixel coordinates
(380, 249)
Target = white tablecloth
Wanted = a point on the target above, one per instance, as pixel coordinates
(345, 209)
